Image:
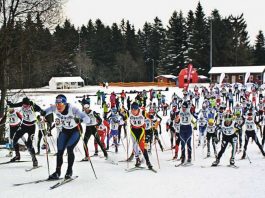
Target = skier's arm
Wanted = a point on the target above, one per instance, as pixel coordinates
(160, 119)
(48, 111)
(36, 107)
(13, 105)
(52, 127)
(81, 115)
(97, 116)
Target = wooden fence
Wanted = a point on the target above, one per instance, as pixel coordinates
(141, 84)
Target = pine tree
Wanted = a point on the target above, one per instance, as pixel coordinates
(29, 49)
(158, 37)
(117, 39)
(102, 48)
(190, 32)
(145, 40)
(221, 40)
(146, 48)
(200, 41)
(241, 47)
(131, 41)
(176, 43)
(65, 49)
(259, 50)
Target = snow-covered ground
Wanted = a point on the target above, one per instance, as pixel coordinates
(114, 181)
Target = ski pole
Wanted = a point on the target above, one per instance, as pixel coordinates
(248, 158)
(86, 150)
(193, 145)
(127, 151)
(52, 144)
(157, 155)
(163, 141)
(47, 156)
(79, 150)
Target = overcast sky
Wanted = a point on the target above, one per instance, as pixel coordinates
(140, 11)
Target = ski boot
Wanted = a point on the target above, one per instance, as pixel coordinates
(216, 162)
(149, 165)
(189, 160)
(107, 148)
(130, 158)
(16, 158)
(208, 154)
(68, 174)
(105, 154)
(175, 157)
(35, 161)
(182, 159)
(96, 153)
(149, 151)
(138, 162)
(244, 155)
(54, 176)
(85, 159)
(116, 148)
(232, 161)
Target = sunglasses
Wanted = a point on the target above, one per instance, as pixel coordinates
(60, 105)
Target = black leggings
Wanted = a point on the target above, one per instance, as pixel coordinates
(30, 130)
(263, 136)
(210, 136)
(91, 130)
(41, 132)
(156, 136)
(240, 137)
(232, 139)
(255, 138)
(231, 104)
(119, 131)
(237, 96)
(149, 138)
(13, 130)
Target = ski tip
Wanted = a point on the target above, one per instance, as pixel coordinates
(17, 184)
(63, 182)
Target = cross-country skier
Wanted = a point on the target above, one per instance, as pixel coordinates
(28, 125)
(137, 121)
(14, 119)
(102, 130)
(185, 131)
(70, 135)
(91, 129)
(229, 136)
(251, 129)
(42, 132)
(114, 120)
(211, 131)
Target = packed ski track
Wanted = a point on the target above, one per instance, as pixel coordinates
(198, 180)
